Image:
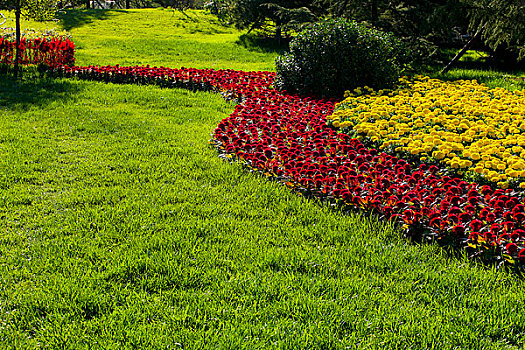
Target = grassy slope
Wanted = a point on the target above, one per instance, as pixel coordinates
(158, 37)
(121, 228)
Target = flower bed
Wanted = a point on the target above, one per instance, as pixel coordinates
(231, 84)
(462, 125)
(48, 47)
(287, 138)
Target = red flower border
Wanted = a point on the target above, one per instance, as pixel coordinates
(53, 51)
(286, 137)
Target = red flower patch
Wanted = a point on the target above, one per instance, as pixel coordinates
(286, 136)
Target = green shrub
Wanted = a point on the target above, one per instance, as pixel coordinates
(337, 55)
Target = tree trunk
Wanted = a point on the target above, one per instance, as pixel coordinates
(463, 50)
(17, 40)
(278, 34)
(127, 4)
(373, 8)
(87, 4)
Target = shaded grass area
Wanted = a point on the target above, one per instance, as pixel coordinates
(122, 228)
(76, 18)
(257, 43)
(475, 66)
(514, 80)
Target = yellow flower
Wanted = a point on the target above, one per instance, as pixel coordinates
(503, 184)
(438, 155)
(475, 156)
(465, 163)
(478, 170)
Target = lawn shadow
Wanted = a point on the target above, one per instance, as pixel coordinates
(75, 18)
(208, 31)
(486, 76)
(262, 44)
(32, 90)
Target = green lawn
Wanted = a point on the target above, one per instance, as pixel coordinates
(121, 228)
(158, 37)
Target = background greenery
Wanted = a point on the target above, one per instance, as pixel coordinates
(426, 26)
(121, 228)
(335, 56)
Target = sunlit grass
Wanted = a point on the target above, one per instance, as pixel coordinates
(158, 37)
(121, 228)
(492, 78)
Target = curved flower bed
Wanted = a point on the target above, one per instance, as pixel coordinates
(286, 137)
(231, 84)
(47, 50)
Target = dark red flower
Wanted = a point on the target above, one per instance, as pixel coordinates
(519, 217)
(517, 234)
(459, 230)
(512, 248)
(435, 222)
(475, 225)
(521, 255)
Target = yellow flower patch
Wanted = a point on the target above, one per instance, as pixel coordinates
(463, 124)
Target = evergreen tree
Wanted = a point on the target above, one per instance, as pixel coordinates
(252, 14)
(422, 24)
(501, 22)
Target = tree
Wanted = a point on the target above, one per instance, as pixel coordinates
(359, 10)
(253, 14)
(501, 22)
(435, 18)
(34, 9)
(421, 24)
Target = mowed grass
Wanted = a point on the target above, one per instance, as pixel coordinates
(121, 228)
(491, 78)
(158, 37)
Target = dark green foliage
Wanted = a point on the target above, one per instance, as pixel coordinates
(278, 16)
(39, 10)
(337, 55)
(423, 25)
(502, 23)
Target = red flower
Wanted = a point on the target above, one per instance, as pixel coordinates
(459, 230)
(435, 222)
(503, 238)
(517, 234)
(475, 225)
(519, 217)
(512, 248)
(521, 255)
(508, 225)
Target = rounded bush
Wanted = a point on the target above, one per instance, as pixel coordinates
(338, 55)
